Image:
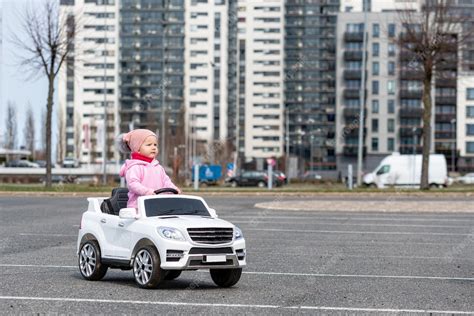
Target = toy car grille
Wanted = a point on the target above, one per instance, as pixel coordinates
(211, 235)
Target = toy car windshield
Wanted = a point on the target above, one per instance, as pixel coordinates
(175, 206)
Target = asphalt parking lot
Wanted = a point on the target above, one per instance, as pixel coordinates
(332, 263)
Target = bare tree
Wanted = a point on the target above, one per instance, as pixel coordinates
(11, 126)
(49, 41)
(433, 36)
(29, 131)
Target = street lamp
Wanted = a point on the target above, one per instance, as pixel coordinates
(453, 147)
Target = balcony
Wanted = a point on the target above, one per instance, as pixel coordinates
(352, 130)
(445, 117)
(407, 149)
(353, 36)
(352, 55)
(446, 100)
(406, 55)
(410, 112)
(445, 135)
(411, 130)
(351, 93)
(411, 94)
(411, 74)
(352, 74)
(446, 82)
(352, 150)
(351, 112)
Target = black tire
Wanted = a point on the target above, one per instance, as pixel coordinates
(146, 268)
(172, 274)
(234, 184)
(89, 261)
(226, 277)
(261, 184)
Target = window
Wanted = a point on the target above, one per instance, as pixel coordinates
(375, 30)
(391, 144)
(375, 87)
(375, 68)
(391, 49)
(470, 93)
(383, 169)
(470, 111)
(390, 125)
(375, 125)
(470, 147)
(470, 129)
(391, 87)
(391, 68)
(375, 49)
(391, 106)
(391, 30)
(375, 106)
(375, 144)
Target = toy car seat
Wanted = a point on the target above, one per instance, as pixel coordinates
(117, 201)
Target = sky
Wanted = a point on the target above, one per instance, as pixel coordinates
(16, 86)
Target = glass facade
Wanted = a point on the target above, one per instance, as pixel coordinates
(151, 64)
(310, 81)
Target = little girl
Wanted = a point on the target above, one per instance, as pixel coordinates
(143, 172)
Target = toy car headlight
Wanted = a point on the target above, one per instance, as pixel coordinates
(238, 233)
(170, 233)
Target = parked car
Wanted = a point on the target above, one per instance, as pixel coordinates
(253, 178)
(58, 179)
(166, 235)
(311, 175)
(466, 179)
(281, 176)
(21, 164)
(69, 162)
(41, 163)
(405, 170)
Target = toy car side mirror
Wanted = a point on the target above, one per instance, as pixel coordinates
(128, 213)
(213, 212)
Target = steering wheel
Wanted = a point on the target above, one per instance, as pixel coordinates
(166, 190)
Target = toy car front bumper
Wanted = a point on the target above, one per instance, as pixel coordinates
(223, 257)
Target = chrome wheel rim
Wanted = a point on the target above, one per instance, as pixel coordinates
(87, 260)
(143, 267)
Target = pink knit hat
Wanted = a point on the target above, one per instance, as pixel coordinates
(134, 139)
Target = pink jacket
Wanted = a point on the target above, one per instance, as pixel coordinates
(143, 178)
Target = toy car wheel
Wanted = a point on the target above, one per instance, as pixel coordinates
(261, 184)
(146, 268)
(90, 263)
(226, 277)
(172, 274)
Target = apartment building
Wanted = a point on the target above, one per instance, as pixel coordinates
(152, 68)
(206, 79)
(88, 84)
(260, 55)
(310, 82)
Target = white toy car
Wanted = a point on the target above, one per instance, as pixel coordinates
(164, 236)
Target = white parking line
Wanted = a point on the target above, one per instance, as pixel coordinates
(370, 276)
(352, 218)
(351, 232)
(255, 306)
(257, 221)
(47, 234)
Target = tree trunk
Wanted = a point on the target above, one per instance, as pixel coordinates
(49, 112)
(424, 185)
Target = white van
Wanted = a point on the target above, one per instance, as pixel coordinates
(405, 170)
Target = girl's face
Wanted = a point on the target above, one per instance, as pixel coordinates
(149, 148)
